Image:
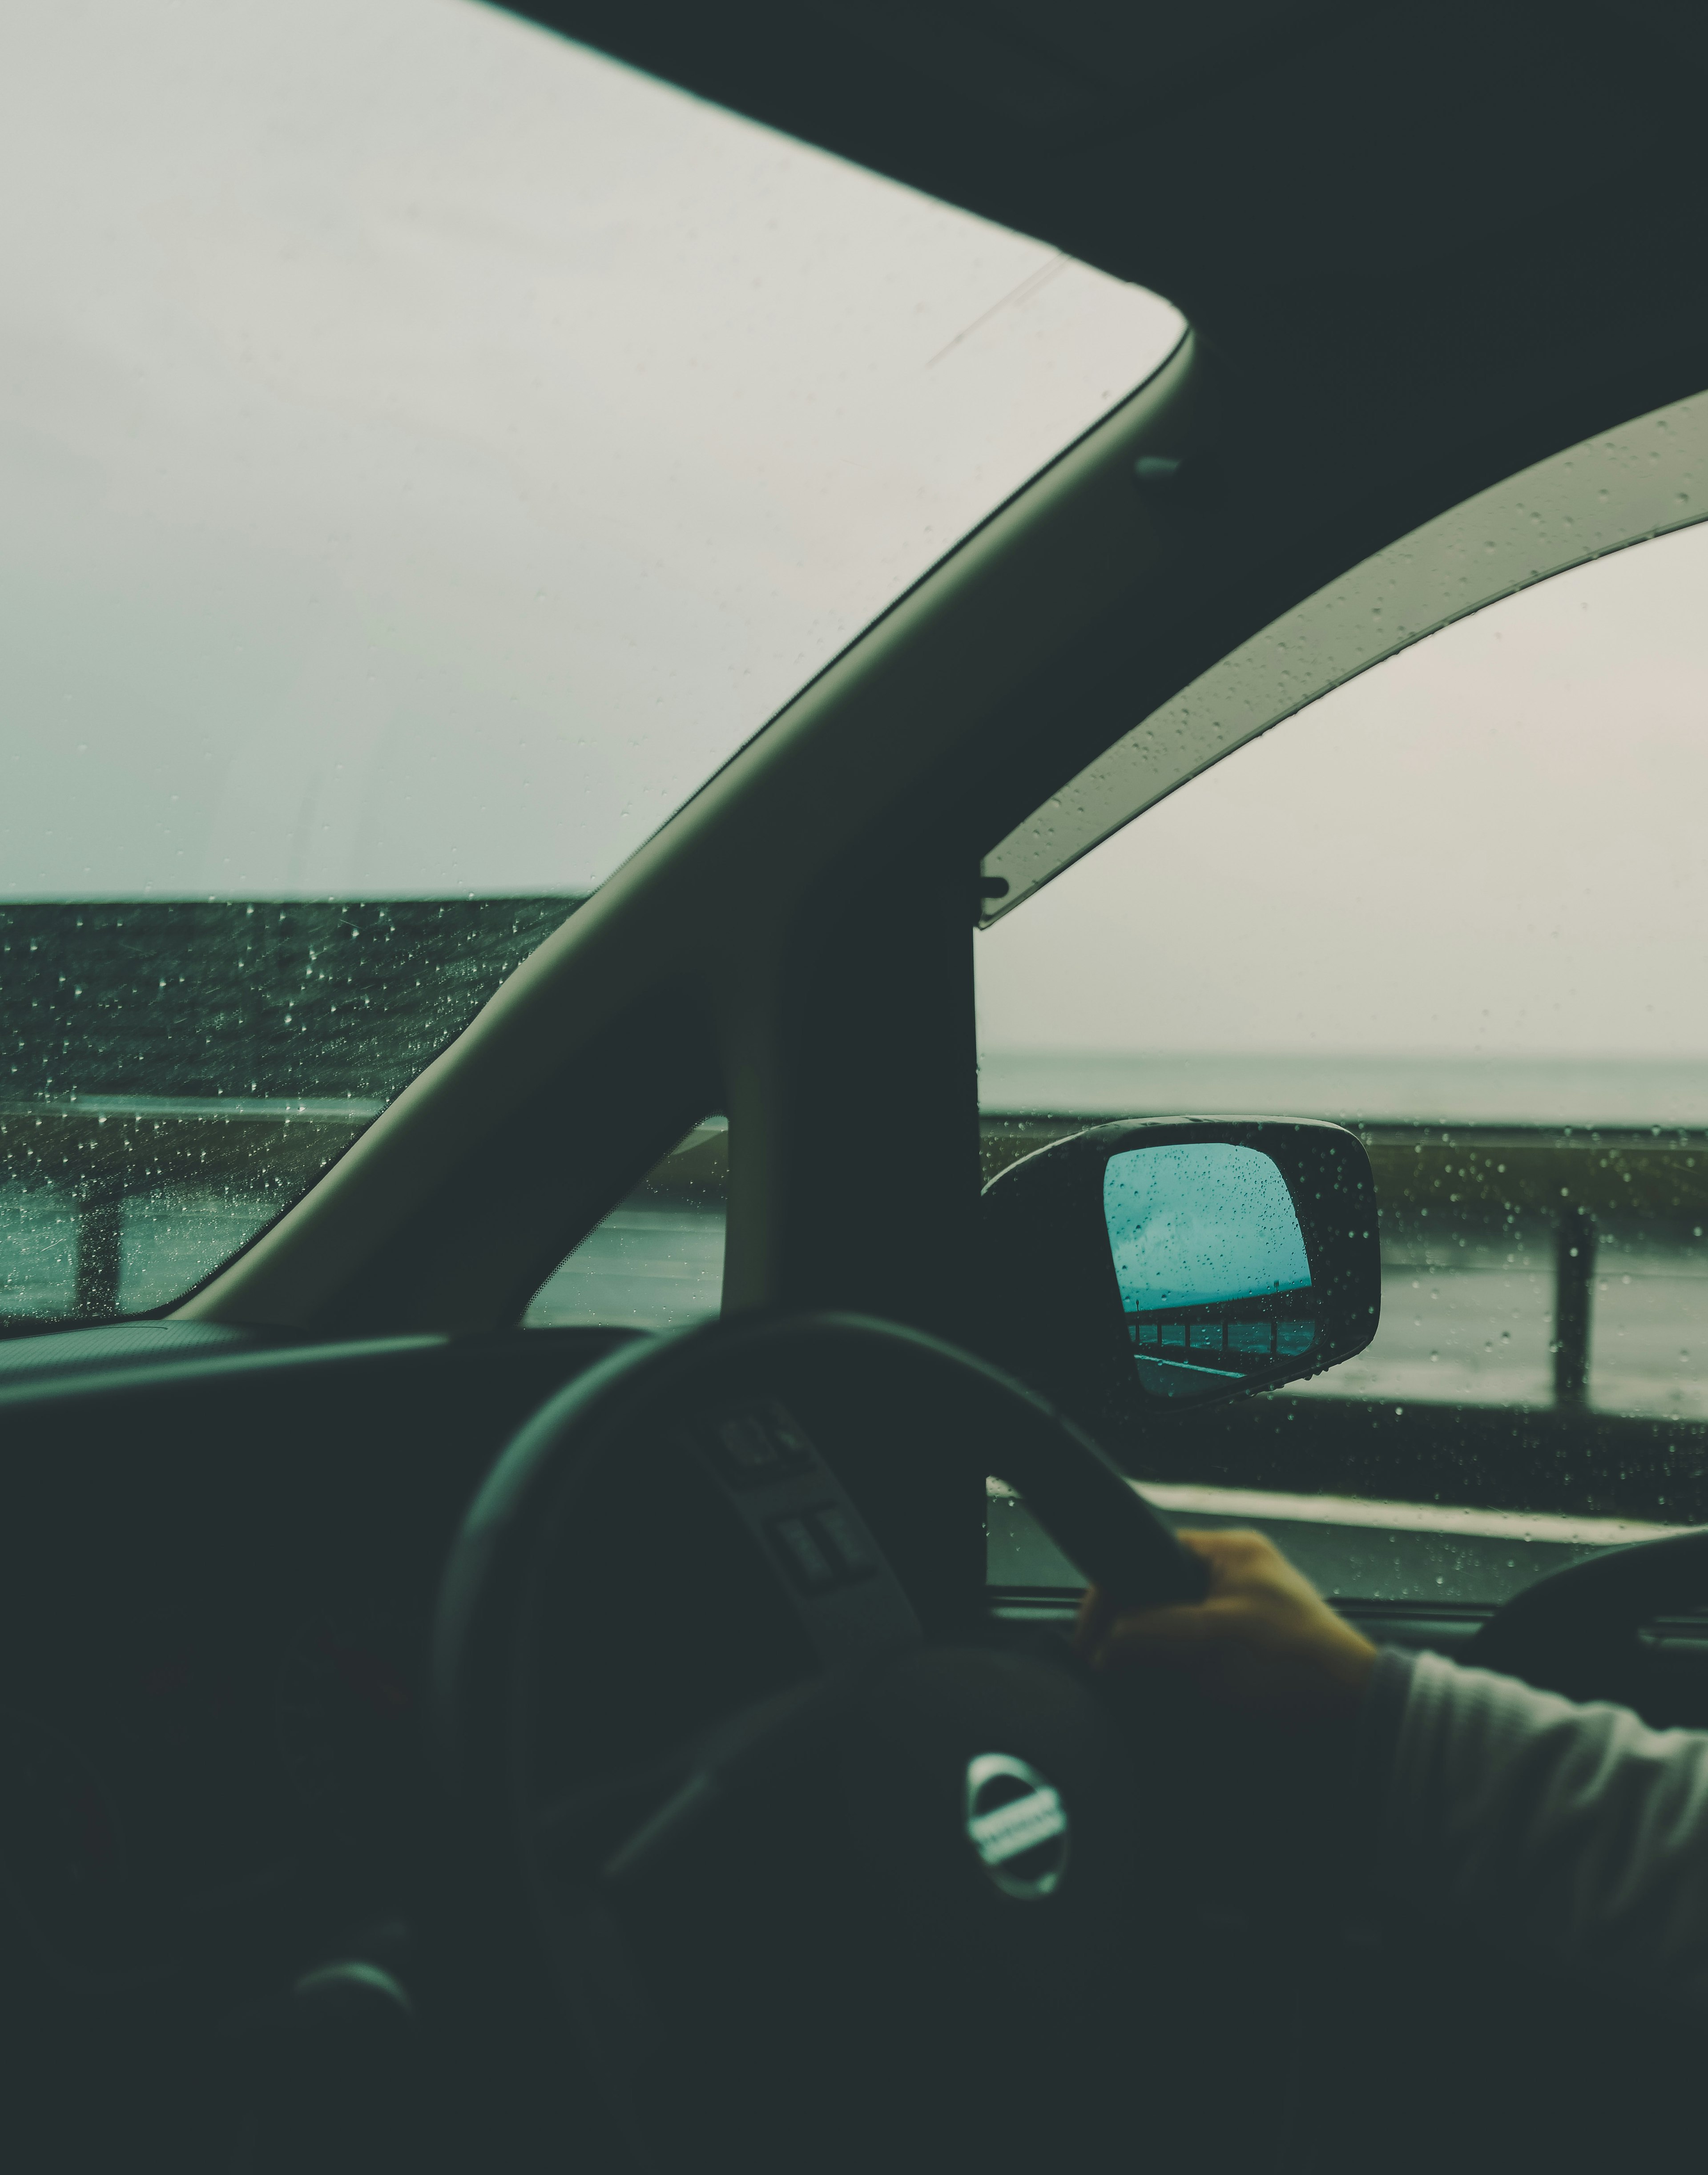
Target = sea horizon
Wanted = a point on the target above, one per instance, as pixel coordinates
(1668, 1093)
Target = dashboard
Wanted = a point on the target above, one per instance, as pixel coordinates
(217, 1580)
(211, 1761)
(219, 1562)
(220, 1557)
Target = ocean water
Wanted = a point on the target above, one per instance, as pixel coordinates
(1553, 1091)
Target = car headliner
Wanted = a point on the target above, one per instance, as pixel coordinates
(1391, 230)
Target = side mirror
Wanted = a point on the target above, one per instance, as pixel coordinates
(1152, 1265)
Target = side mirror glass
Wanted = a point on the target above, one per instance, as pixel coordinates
(1211, 1261)
(1157, 1263)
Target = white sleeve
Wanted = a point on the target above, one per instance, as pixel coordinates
(1563, 1834)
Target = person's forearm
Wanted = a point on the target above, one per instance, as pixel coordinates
(1569, 1834)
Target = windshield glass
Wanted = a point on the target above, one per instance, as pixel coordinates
(429, 450)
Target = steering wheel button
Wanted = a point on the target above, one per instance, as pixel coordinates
(749, 1450)
(801, 1550)
(847, 1546)
(788, 1437)
(761, 1443)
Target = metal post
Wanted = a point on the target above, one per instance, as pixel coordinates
(1574, 1278)
(100, 1235)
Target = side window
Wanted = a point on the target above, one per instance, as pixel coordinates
(1460, 905)
(656, 1262)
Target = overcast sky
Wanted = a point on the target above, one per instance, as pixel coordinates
(427, 449)
(1495, 844)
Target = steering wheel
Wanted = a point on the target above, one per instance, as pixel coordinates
(1577, 1630)
(819, 1867)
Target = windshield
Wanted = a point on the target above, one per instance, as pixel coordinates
(428, 451)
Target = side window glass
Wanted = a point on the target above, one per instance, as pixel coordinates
(1461, 904)
(656, 1260)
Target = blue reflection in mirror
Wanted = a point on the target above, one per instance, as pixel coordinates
(1214, 1279)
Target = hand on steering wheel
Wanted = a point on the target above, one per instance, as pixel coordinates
(1263, 1643)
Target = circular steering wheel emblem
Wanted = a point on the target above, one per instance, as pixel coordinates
(1017, 1824)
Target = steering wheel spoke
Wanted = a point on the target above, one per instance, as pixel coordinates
(1576, 1630)
(626, 1825)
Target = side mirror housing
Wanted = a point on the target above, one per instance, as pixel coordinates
(1147, 1266)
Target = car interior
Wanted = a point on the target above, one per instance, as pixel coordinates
(437, 1736)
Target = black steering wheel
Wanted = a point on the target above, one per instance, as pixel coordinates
(1579, 1630)
(816, 1867)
